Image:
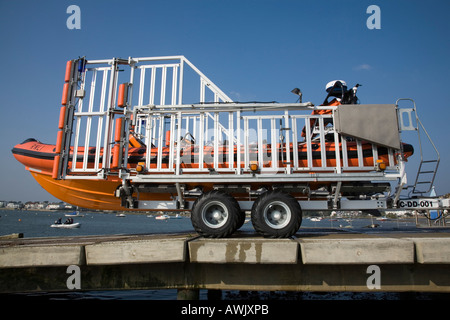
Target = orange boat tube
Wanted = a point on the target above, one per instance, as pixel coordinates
(38, 158)
(35, 154)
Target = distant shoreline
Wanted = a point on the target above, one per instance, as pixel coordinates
(97, 211)
(186, 213)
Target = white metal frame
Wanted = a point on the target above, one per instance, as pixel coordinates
(240, 139)
(156, 102)
(159, 106)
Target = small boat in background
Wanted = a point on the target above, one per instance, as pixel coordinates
(74, 214)
(162, 217)
(121, 215)
(66, 225)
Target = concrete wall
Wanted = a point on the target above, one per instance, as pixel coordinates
(315, 263)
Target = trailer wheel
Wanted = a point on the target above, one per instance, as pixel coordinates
(241, 219)
(276, 214)
(215, 215)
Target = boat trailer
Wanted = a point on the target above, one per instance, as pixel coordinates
(174, 141)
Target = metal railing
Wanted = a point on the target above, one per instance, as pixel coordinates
(111, 102)
(272, 141)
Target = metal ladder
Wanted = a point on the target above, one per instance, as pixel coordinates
(423, 176)
(426, 172)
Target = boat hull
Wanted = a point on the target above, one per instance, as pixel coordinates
(90, 194)
(66, 225)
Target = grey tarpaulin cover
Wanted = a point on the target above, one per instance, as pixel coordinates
(376, 123)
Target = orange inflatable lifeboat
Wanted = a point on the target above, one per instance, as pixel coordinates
(39, 156)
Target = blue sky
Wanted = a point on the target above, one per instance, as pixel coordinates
(252, 49)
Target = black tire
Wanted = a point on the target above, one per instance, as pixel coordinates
(276, 214)
(215, 215)
(241, 219)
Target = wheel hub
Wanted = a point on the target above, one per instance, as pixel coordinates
(215, 214)
(277, 215)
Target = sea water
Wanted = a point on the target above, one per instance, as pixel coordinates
(37, 224)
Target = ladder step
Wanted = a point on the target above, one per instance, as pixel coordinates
(429, 161)
(421, 172)
(423, 182)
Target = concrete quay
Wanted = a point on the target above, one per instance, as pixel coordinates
(311, 261)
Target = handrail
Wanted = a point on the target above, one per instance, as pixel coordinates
(420, 127)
